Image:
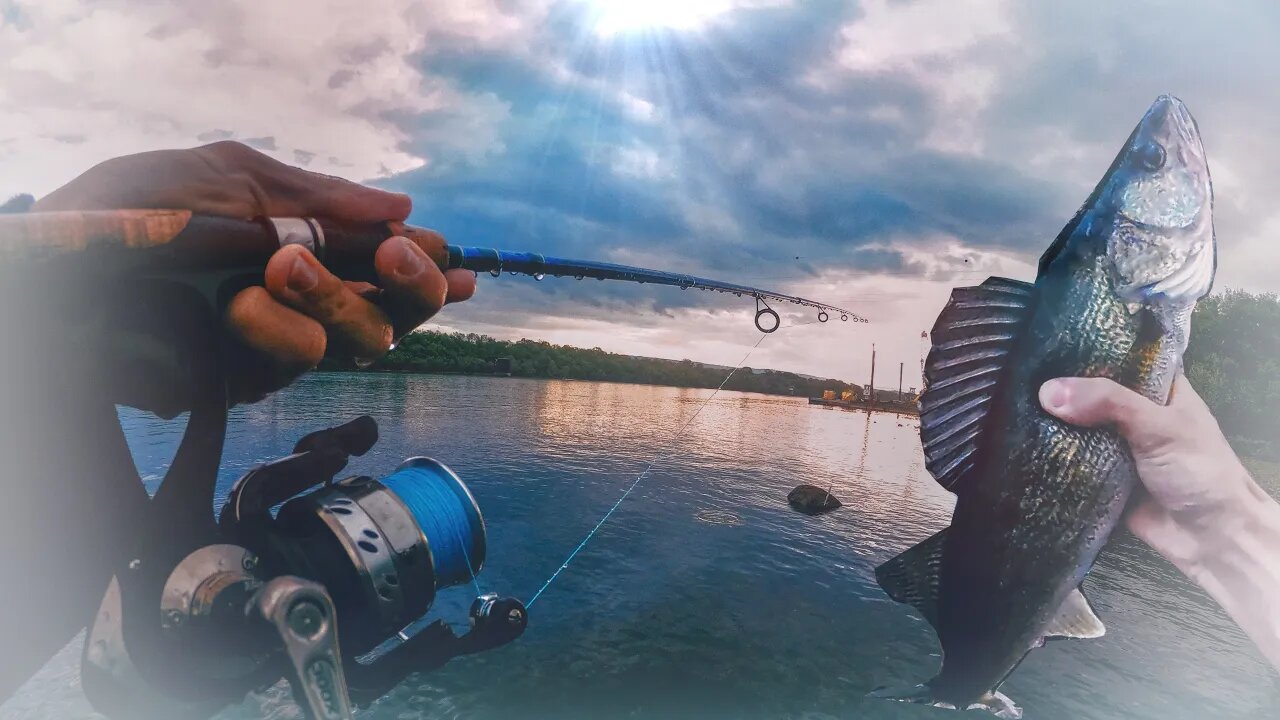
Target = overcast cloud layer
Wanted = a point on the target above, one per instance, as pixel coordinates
(868, 154)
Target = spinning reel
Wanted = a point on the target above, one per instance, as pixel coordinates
(205, 613)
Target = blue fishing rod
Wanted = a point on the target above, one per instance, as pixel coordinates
(495, 262)
(169, 241)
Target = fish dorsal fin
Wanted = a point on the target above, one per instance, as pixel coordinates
(911, 578)
(971, 343)
(1075, 619)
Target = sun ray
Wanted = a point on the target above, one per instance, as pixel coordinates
(619, 17)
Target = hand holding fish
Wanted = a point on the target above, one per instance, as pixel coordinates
(1201, 510)
(301, 312)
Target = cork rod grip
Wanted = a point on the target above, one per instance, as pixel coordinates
(174, 241)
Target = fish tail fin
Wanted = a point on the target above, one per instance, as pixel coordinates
(994, 702)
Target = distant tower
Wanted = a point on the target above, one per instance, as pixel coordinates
(871, 389)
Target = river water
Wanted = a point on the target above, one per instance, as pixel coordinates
(763, 614)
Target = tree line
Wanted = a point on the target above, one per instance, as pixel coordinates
(1233, 361)
(431, 351)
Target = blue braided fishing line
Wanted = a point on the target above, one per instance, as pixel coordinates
(450, 526)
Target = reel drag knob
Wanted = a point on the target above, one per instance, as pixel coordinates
(497, 620)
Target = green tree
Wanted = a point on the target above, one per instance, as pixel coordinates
(1234, 362)
(429, 351)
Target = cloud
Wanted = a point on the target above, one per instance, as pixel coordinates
(131, 76)
(726, 148)
(956, 51)
(267, 143)
(215, 135)
(875, 153)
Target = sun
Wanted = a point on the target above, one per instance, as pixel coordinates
(619, 17)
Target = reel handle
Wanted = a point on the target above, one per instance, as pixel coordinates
(495, 621)
(302, 614)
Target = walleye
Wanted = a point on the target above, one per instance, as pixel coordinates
(1036, 499)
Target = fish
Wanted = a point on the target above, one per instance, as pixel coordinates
(1036, 498)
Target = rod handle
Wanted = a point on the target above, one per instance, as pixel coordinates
(177, 241)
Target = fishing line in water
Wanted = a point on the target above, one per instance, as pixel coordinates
(643, 473)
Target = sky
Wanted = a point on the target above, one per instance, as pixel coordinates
(871, 155)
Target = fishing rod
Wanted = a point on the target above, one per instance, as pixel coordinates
(161, 241)
(495, 262)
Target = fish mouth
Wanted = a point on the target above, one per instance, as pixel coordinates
(1169, 122)
(1168, 138)
(1164, 249)
(1168, 117)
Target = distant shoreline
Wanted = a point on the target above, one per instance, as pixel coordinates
(430, 352)
(500, 376)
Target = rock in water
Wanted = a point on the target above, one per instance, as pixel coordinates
(812, 500)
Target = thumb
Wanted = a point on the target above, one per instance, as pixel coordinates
(1092, 402)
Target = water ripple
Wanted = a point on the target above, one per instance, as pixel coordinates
(666, 616)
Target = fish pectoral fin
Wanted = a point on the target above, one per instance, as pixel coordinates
(994, 702)
(971, 343)
(1075, 619)
(911, 578)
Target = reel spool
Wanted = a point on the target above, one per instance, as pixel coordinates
(384, 547)
(342, 569)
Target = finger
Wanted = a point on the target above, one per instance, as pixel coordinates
(284, 190)
(332, 197)
(356, 328)
(1145, 516)
(462, 285)
(340, 199)
(1091, 402)
(1152, 523)
(436, 247)
(163, 179)
(368, 291)
(282, 343)
(414, 288)
(429, 240)
(1182, 395)
(263, 324)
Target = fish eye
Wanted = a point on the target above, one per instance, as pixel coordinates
(1150, 156)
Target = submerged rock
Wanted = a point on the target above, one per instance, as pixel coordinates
(812, 500)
